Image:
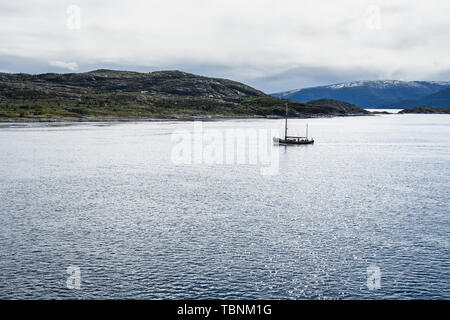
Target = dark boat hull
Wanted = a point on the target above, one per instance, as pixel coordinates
(283, 141)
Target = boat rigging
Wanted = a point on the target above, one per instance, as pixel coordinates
(291, 139)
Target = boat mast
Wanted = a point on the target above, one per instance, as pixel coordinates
(306, 131)
(285, 125)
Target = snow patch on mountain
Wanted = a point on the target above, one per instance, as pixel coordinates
(383, 84)
(379, 84)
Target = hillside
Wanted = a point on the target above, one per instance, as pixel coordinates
(368, 94)
(339, 105)
(103, 94)
(440, 99)
(426, 110)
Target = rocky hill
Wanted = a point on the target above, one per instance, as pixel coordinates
(427, 110)
(103, 94)
(344, 107)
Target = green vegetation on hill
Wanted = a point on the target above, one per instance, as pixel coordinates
(344, 107)
(104, 94)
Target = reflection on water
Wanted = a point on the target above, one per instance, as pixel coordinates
(385, 110)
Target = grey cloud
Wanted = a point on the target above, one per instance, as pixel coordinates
(271, 45)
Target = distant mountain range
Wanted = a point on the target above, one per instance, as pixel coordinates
(378, 93)
(440, 99)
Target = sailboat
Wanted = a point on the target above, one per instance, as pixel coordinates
(291, 139)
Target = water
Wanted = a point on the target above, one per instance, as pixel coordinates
(107, 198)
(385, 110)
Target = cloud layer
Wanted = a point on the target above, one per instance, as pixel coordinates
(273, 45)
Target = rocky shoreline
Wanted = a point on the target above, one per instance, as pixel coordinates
(171, 118)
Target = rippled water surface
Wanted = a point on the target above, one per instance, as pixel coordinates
(108, 198)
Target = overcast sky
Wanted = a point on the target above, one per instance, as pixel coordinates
(273, 45)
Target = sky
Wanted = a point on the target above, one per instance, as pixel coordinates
(272, 45)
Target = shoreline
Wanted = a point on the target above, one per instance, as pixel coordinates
(170, 118)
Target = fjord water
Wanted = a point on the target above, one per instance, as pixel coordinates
(107, 198)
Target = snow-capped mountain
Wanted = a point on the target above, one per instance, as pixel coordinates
(368, 93)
